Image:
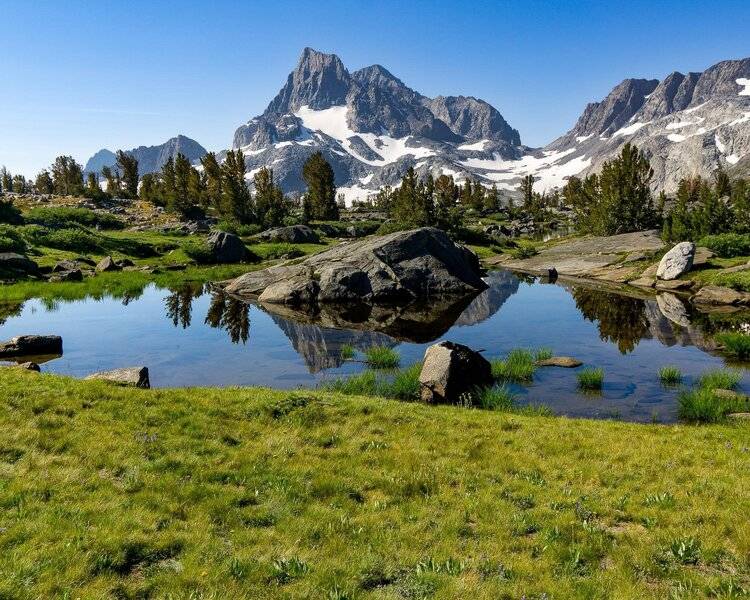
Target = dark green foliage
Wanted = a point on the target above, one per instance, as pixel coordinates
(6, 180)
(212, 173)
(735, 343)
(128, 167)
(618, 200)
(320, 199)
(78, 239)
(58, 217)
(727, 245)
(270, 206)
(236, 201)
(67, 176)
(9, 213)
(11, 240)
(43, 183)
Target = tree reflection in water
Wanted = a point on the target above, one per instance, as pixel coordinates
(621, 319)
(231, 315)
(179, 303)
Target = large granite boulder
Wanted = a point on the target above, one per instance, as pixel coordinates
(129, 376)
(227, 247)
(12, 261)
(401, 266)
(676, 262)
(451, 370)
(31, 345)
(294, 234)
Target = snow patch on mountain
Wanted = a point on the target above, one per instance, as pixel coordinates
(630, 129)
(475, 146)
(745, 83)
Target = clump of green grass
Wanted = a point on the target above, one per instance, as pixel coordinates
(705, 405)
(65, 217)
(735, 343)
(361, 384)
(723, 379)
(591, 379)
(405, 383)
(496, 398)
(670, 375)
(10, 240)
(401, 385)
(382, 357)
(199, 251)
(347, 352)
(524, 250)
(518, 366)
(543, 354)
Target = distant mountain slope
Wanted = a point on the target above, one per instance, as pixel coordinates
(687, 124)
(150, 158)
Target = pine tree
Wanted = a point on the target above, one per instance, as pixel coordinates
(19, 184)
(527, 191)
(491, 200)
(43, 183)
(182, 201)
(321, 188)
(128, 166)
(150, 188)
(236, 200)
(168, 183)
(109, 176)
(447, 213)
(270, 208)
(6, 179)
(212, 172)
(67, 176)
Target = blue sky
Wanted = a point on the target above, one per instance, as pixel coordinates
(79, 76)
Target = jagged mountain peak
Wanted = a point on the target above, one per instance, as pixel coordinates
(150, 158)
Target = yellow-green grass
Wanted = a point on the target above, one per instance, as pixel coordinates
(252, 493)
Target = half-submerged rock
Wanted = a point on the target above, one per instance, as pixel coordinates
(566, 362)
(401, 266)
(676, 262)
(451, 370)
(31, 345)
(130, 376)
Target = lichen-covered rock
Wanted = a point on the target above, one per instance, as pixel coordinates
(450, 370)
(294, 234)
(567, 362)
(676, 262)
(130, 376)
(107, 264)
(718, 295)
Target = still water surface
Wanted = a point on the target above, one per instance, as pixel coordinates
(192, 336)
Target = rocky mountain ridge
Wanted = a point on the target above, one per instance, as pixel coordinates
(150, 158)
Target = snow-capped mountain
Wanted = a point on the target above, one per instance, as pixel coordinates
(371, 127)
(150, 158)
(687, 124)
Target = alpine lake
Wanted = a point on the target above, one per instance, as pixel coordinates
(195, 335)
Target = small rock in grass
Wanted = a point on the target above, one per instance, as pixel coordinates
(131, 376)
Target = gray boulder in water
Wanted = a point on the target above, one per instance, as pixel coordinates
(451, 370)
(677, 261)
(401, 266)
(227, 247)
(31, 345)
(130, 376)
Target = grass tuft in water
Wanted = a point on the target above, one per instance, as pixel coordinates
(591, 379)
(670, 375)
(518, 366)
(347, 352)
(403, 385)
(720, 379)
(707, 405)
(543, 354)
(735, 343)
(382, 357)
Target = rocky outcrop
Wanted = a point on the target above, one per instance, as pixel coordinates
(17, 263)
(295, 234)
(676, 262)
(399, 267)
(451, 370)
(31, 345)
(107, 264)
(129, 376)
(714, 295)
(227, 247)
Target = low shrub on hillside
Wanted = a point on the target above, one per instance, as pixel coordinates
(727, 245)
(11, 240)
(77, 239)
(198, 250)
(64, 217)
(9, 213)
